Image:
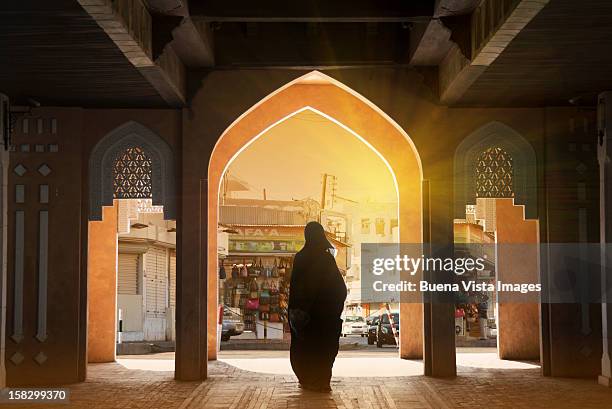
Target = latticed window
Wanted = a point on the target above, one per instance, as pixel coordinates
(494, 174)
(132, 175)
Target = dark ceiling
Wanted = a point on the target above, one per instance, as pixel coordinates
(313, 44)
(55, 53)
(564, 53)
(312, 10)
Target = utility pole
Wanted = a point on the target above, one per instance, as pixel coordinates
(334, 185)
(324, 191)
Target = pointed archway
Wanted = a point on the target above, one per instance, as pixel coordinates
(352, 111)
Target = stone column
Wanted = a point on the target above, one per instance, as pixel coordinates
(102, 287)
(604, 152)
(4, 160)
(518, 324)
(439, 354)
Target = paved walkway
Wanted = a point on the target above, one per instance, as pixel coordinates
(114, 386)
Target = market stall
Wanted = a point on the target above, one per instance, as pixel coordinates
(258, 268)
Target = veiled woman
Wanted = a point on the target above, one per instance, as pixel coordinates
(316, 301)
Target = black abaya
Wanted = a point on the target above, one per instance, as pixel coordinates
(316, 301)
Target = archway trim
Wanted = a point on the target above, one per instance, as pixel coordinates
(107, 150)
(524, 166)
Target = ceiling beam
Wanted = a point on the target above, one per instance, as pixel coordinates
(489, 30)
(313, 11)
(431, 41)
(193, 43)
(129, 26)
(168, 7)
(310, 19)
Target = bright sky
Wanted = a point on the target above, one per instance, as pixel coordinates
(289, 160)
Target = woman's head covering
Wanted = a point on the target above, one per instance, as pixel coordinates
(315, 237)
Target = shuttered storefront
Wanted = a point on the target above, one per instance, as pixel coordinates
(172, 292)
(156, 280)
(127, 277)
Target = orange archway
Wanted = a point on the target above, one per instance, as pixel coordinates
(344, 106)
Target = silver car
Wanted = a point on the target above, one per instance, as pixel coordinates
(232, 324)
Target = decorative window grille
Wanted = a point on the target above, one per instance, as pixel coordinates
(132, 175)
(494, 172)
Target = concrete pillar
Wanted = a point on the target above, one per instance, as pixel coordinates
(517, 262)
(102, 288)
(191, 259)
(439, 320)
(604, 153)
(4, 160)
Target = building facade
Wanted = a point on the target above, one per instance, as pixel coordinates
(155, 124)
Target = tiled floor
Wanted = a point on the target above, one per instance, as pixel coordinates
(114, 386)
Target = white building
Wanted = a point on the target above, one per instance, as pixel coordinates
(146, 273)
(365, 222)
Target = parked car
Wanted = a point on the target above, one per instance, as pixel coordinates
(232, 324)
(354, 325)
(384, 335)
(372, 329)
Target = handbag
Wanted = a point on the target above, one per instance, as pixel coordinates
(254, 289)
(235, 271)
(274, 272)
(244, 272)
(264, 307)
(257, 269)
(274, 317)
(281, 268)
(222, 274)
(252, 304)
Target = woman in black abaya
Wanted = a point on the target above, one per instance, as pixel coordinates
(316, 301)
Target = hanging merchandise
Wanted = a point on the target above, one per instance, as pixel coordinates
(252, 304)
(267, 271)
(222, 274)
(259, 286)
(282, 301)
(254, 289)
(251, 272)
(281, 268)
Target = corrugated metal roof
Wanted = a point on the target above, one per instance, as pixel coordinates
(252, 215)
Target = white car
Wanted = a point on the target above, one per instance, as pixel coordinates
(354, 325)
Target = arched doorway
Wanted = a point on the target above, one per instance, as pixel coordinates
(495, 182)
(131, 241)
(342, 105)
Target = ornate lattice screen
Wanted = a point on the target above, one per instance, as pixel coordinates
(494, 174)
(132, 175)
